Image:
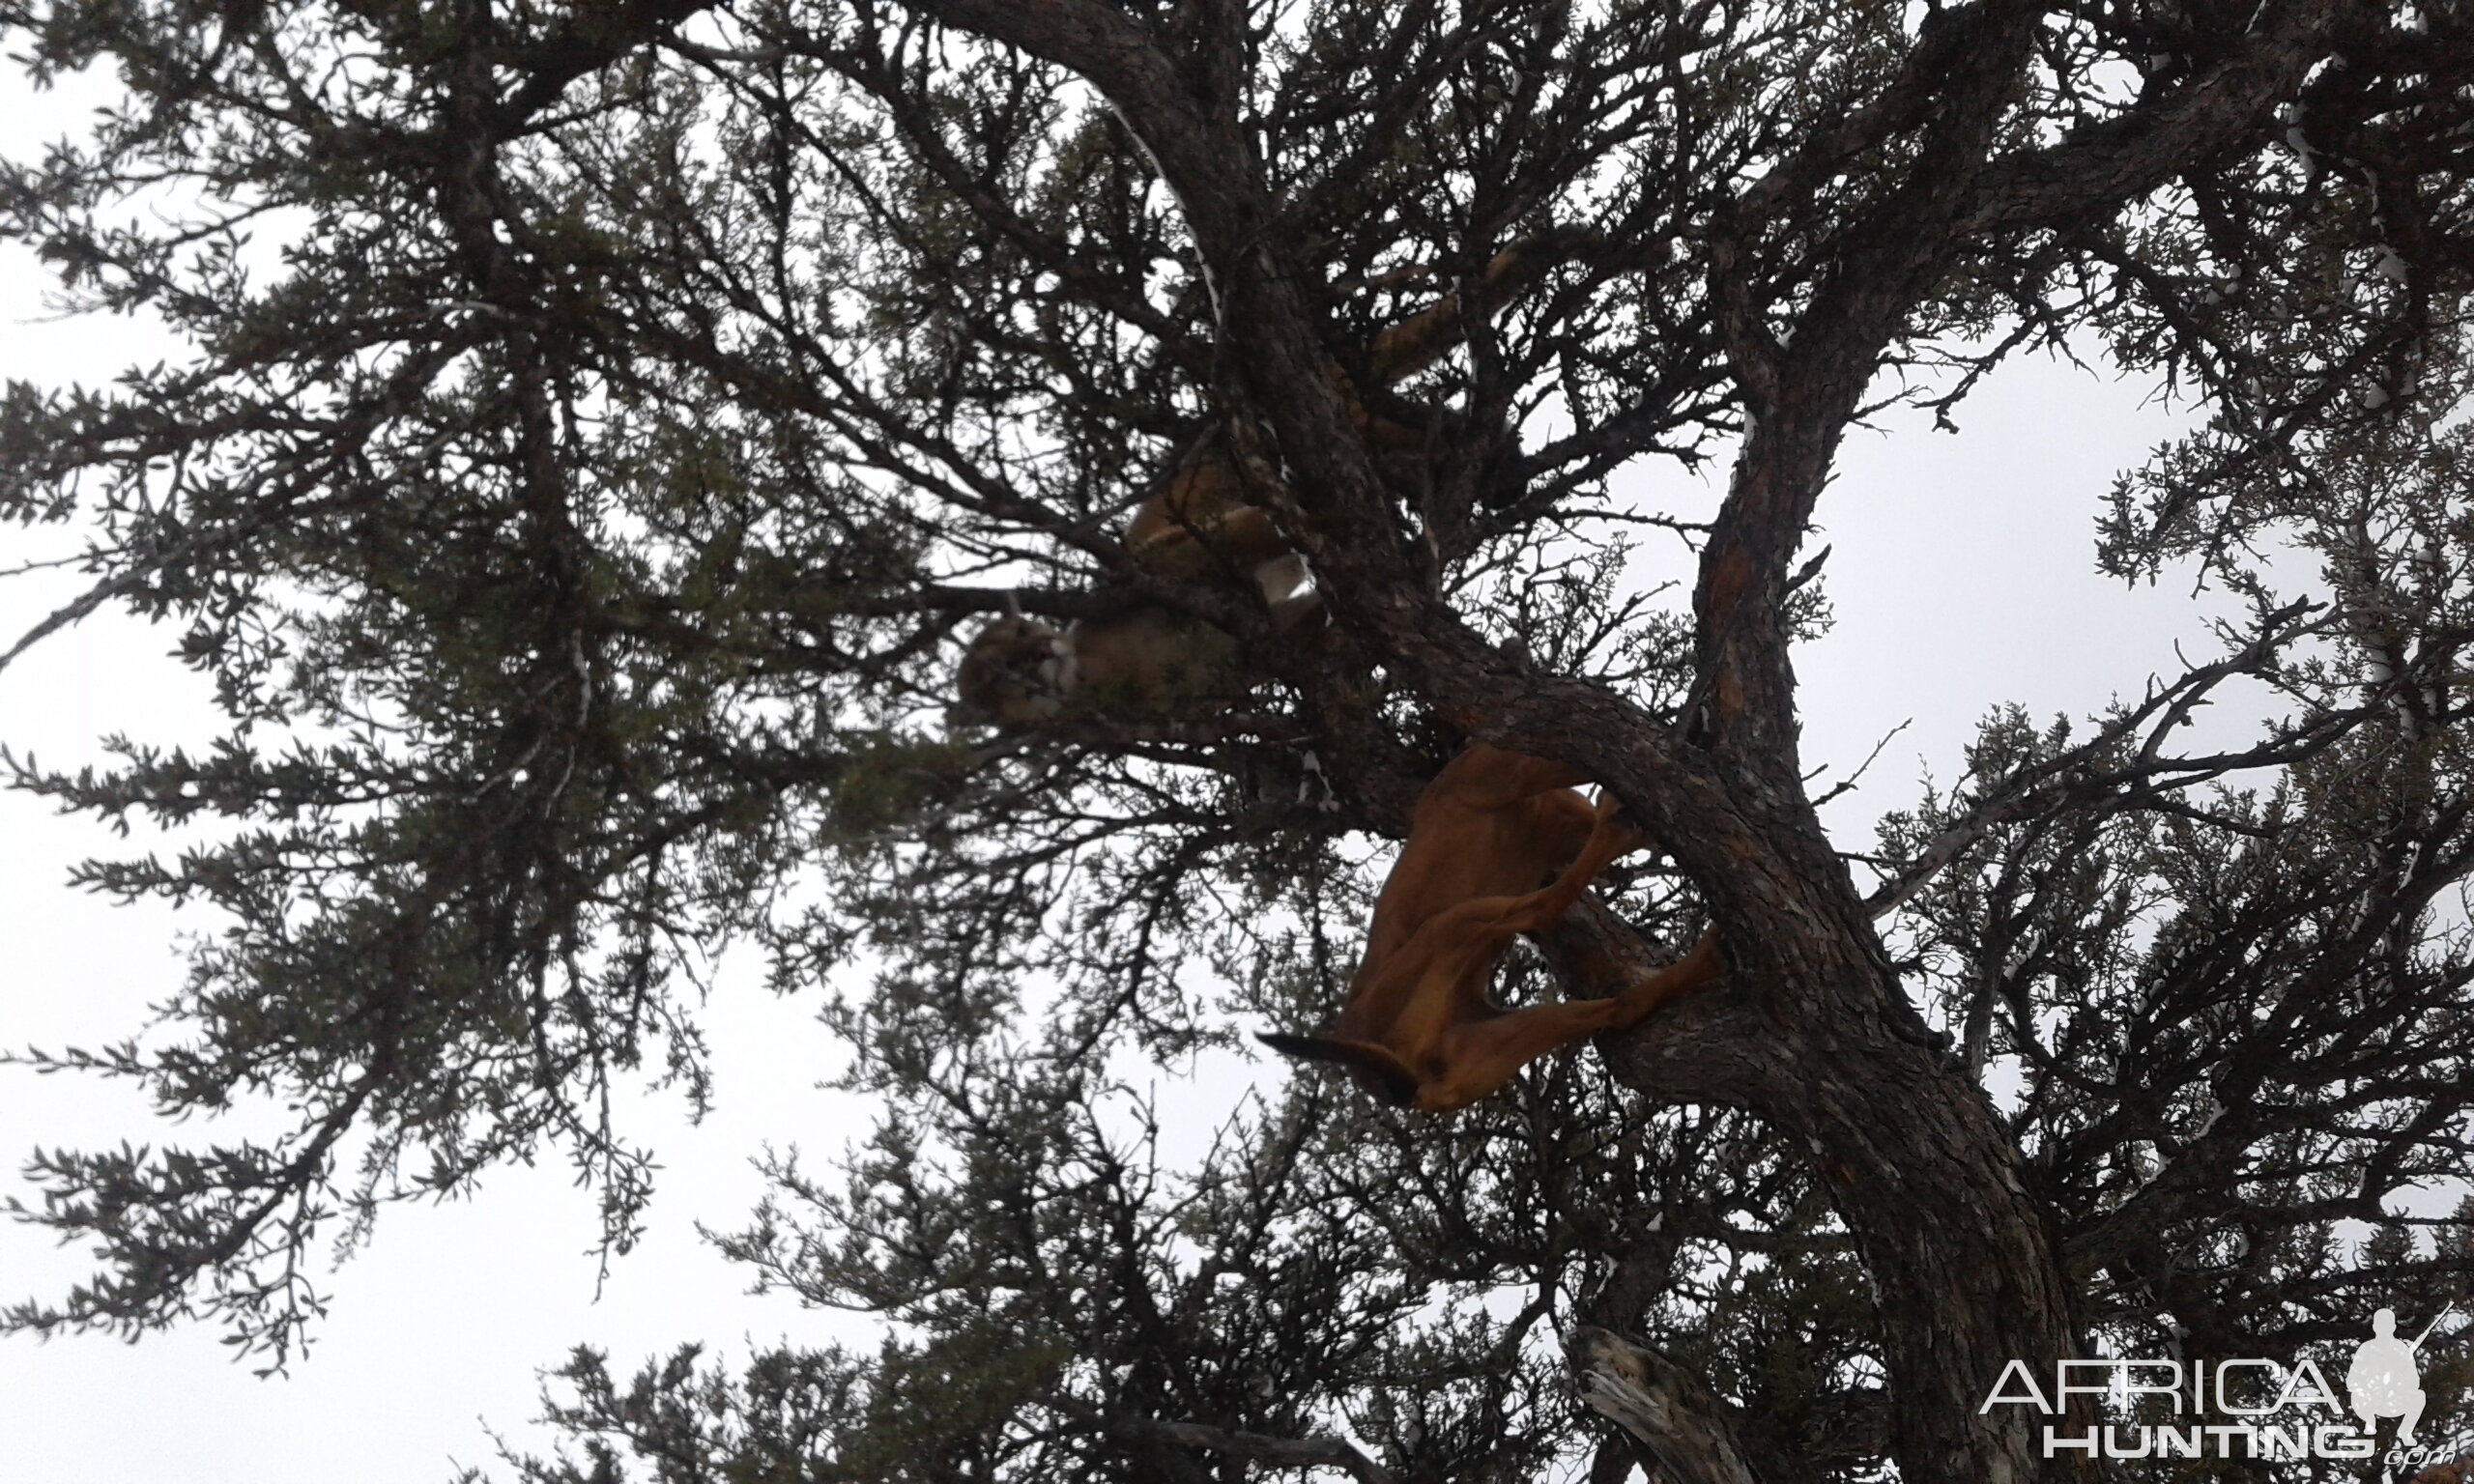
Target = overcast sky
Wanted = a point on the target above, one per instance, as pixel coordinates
(1962, 577)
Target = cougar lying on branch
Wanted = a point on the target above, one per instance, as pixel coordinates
(1201, 528)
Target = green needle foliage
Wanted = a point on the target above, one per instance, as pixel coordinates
(603, 426)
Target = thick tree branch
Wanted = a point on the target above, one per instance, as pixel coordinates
(2126, 157)
(1276, 1453)
(1803, 389)
(589, 39)
(1672, 1411)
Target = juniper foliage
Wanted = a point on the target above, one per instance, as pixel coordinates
(581, 514)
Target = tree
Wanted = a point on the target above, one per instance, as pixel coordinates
(582, 521)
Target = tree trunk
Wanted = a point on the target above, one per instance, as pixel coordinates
(1811, 1032)
(1963, 1266)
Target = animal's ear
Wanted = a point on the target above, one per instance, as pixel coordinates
(1377, 1069)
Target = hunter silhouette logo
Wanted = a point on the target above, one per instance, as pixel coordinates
(2384, 1380)
(2245, 1407)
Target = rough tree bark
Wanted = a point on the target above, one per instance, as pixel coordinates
(1665, 1406)
(1814, 1033)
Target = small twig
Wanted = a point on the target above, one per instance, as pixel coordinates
(1862, 768)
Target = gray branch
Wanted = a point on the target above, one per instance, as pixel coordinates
(1279, 1453)
(1673, 1412)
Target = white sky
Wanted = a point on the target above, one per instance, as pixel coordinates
(1963, 576)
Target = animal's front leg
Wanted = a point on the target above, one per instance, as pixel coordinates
(1483, 1056)
(1699, 967)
